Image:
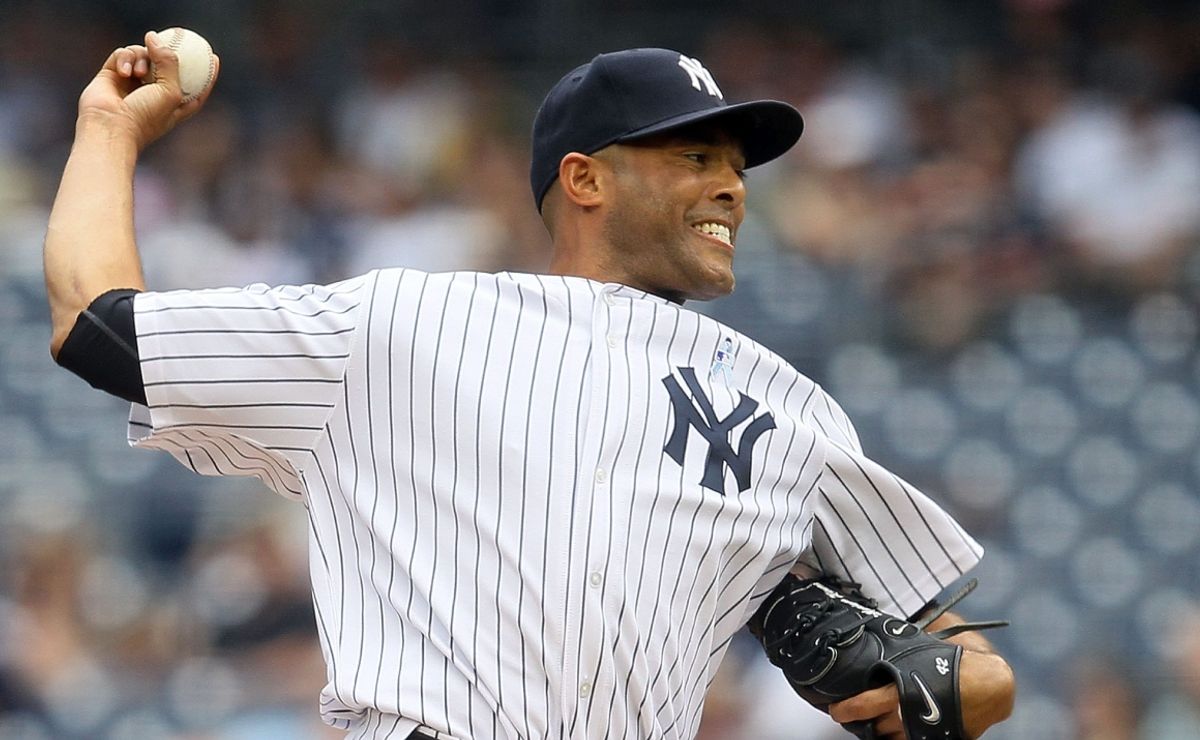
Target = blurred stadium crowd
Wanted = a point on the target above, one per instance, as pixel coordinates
(987, 245)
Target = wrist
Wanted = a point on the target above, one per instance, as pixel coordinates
(108, 130)
(988, 691)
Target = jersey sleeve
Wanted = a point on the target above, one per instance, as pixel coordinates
(872, 527)
(241, 381)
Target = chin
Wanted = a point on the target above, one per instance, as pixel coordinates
(713, 289)
(723, 281)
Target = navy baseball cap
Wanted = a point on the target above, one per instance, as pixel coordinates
(625, 95)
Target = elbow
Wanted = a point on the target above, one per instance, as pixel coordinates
(100, 345)
(1009, 699)
(58, 337)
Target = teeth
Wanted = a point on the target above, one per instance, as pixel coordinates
(721, 231)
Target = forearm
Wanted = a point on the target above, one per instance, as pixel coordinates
(90, 247)
(987, 684)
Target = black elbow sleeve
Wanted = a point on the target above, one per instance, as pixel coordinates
(102, 347)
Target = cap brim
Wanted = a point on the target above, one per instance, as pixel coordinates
(766, 128)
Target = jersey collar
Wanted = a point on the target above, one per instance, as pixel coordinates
(600, 289)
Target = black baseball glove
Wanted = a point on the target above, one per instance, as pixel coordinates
(832, 643)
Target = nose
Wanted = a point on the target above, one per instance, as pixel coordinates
(729, 188)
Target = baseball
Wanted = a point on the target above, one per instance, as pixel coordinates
(197, 64)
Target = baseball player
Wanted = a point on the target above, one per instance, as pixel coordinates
(540, 506)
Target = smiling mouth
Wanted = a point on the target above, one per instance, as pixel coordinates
(718, 231)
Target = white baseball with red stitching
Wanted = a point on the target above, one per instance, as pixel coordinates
(197, 64)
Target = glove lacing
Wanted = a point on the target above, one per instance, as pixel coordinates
(797, 634)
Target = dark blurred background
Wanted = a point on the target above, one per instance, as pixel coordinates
(987, 245)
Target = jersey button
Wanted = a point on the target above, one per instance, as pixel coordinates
(595, 579)
(612, 341)
(585, 688)
(601, 476)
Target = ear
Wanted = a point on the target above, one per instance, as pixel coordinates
(582, 179)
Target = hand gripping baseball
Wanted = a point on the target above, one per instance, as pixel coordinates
(126, 95)
(832, 643)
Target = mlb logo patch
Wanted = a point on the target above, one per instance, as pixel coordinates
(722, 364)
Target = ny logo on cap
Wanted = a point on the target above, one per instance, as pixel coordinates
(699, 74)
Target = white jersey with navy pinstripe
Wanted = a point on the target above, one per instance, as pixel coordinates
(540, 506)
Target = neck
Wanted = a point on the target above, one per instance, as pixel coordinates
(574, 257)
(564, 265)
(579, 254)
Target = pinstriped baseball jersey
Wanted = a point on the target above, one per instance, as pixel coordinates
(540, 506)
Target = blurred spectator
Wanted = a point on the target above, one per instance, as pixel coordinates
(61, 666)
(1115, 176)
(408, 126)
(208, 216)
(1175, 712)
(910, 189)
(254, 607)
(404, 119)
(1106, 705)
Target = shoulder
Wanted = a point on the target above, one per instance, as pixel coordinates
(422, 284)
(805, 397)
(463, 291)
(748, 348)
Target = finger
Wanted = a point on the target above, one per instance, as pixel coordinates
(116, 60)
(890, 725)
(166, 65)
(869, 705)
(124, 60)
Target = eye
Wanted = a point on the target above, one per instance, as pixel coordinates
(741, 174)
(697, 157)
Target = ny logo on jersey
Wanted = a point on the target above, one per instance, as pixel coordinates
(715, 431)
(699, 74)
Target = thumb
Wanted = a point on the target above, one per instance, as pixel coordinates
(164, 67)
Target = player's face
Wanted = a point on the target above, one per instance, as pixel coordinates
(675, 212)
